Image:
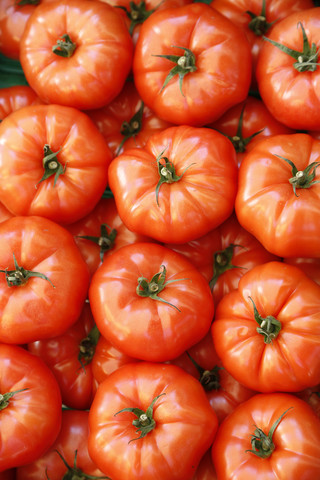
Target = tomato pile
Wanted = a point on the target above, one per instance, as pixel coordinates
(159, 240)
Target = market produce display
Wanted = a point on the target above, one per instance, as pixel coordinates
(159, 239)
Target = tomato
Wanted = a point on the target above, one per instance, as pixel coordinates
(126, 122)
(8, 474)
(224, 255)
(83, 59)
(150, 302)
(30, 406)
(246, 124)
(267, 331)
(311, 395)
(69, 357)
(257, 17)
(310, 266)
(288, 77)
(53, 163)
(278, 195)
(102, 232)
(223, 391)
(178, 187)
(205, 470)
(44, 280)
(15, 97)
(178, 423)
(279, 427)
(191, 64)
(68, 457)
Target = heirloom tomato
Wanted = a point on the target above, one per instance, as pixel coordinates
(270, 437)
(150, 302)
(191, 64)
(30, 406)
(205, 470)
(150, 421)
(288, 72)
(53, 163)
(43, 282)
(278, 198)
(311, 395)
(310, 266)
(76, 53)
(267, 332)
(15, 97)
(179, 186)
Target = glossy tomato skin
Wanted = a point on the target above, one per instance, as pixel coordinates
(185, 424)
(222, 60)
(15, 97)
(205, 470)
(188, 208)
(310, 266)
(39, 309)
(72, 438)
(80, 149)
(295, 438)
(290, 362)
(62, 355)
(286, 224)
(143, 327)
(291, 96)
(31, 421)
(96, 71)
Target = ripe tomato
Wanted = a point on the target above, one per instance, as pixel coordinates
(288, 77)
(30, 405)
(267, 332)
(191, 64)
(310, 266)
(178, 187)
(174, 428)
(311, 395)
(83, 59)
(279, 202)
(44, 280)
(15, 97)
(281, 428)
(53, 163)
(68, 457)
(150, 302)
(205, 470)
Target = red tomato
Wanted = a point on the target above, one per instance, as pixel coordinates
(191, 64)
(289, 80)
(8, 474)
(70, 448)
(150, 302)
(267, 332)
(256, 18)
(224, 255)
(15, 97)
(310, 266)
(277, 202)
(30, 407)
(53, 163)
(44, 280)
(205, 470)
(179, 424)
(281, 428)
(69, 357)
(83, 59)
(311, 395)
(178, 187)
(126, 122)
(246, 124)
(102, 232)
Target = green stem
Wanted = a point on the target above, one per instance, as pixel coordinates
(131, 128)
(301, 178)
(64, 47)
(51, 165)
(209, 379)
(20, 276)
(269, 326)
(87, 346)
(258, 23)
(75, 473)
(5, 398)
(105, 241)
(223, 262)
(137, 13)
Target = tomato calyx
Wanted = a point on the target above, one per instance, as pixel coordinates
(269, 326)
(262, 444)
(64, 46)
(222, 262)
(167, 172)
(137, 13)
(145, 422)
(87, 346)
(105, 241)
(307, 59)
(20, 276)
(185, 64)
(51, 165)
(75, 473)
(209, 379)
(302, 178)
(155, 286)
(131, 128)
(27, 2)
(258, 23)
(5, 398)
